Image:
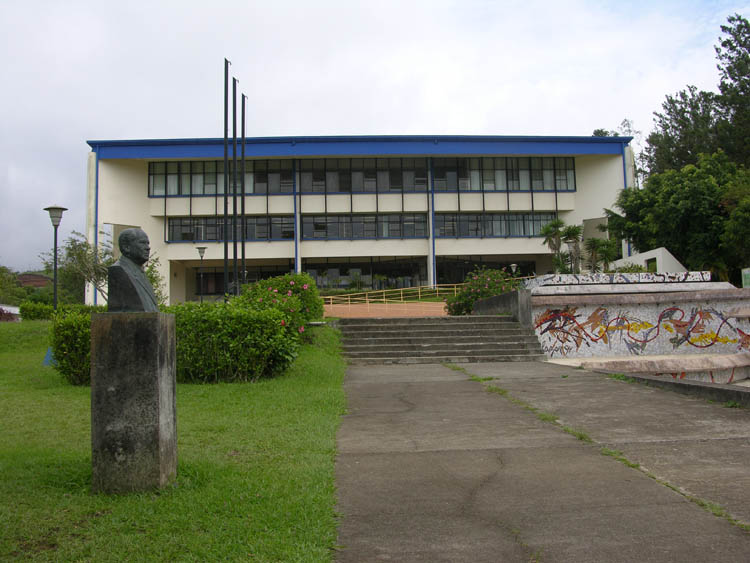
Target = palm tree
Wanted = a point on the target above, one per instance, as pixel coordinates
(552, 233)
(595, 247)
(609, 253)
(571, 235)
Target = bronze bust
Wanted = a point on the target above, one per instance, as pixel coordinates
(128, 287)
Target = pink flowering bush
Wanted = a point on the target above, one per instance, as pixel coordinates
(480, 284)
(301, 286)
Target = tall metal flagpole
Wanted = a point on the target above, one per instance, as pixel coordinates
(226, 177)
(242, 184)
(234, 187)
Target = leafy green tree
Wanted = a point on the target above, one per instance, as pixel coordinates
(686, 128)
(80, 262)
(604, 133)
(698, 213)
(694, 122)
(11, 292)
(153, 274)
(733, 54)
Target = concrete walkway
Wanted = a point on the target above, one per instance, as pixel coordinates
(432, 467)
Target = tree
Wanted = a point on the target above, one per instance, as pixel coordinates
(694, 122)
(698, 213)
(157, 280)
(594, 248)
(686, 128)
(604, 133)
(552, 233)
(733, 54)
(11, 292)
(79, 263)
(571, 235)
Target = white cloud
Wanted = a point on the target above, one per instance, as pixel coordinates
(75, 71)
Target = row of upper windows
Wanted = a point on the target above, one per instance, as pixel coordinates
(365, 175)
(465, 225)
(360, 226)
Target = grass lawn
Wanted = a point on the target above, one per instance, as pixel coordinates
(255, 473)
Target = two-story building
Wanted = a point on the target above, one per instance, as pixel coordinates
(363, 211)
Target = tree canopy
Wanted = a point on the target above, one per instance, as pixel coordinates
(694, 122)
(700, 213)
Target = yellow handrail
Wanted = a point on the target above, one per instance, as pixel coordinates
(399, 295)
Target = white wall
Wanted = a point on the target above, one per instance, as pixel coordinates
(665, 262)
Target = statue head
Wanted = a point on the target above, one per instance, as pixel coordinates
(134, 244)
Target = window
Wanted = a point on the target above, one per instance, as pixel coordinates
(256, 228)
(469, 225)
(364, 226)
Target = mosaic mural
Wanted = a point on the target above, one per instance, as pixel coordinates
(589, 279)
(591, 331)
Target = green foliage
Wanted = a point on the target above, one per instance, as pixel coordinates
(231, 342)
(31, 311)
(552, 233)
(571, 235)
(629, 268)
(78, 263)
(698, 213)
(686, 128)
(480, 284)
(733, 54)
(11, 292)
(254, 335)
(71, 345)
(694, 122)
(154, 276)
(255, 479)
(301, 286)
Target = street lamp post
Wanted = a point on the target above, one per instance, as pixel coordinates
(201, 251)
(55, 215)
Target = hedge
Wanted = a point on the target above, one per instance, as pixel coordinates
(254, 335)
(71, 345)
(227, 342)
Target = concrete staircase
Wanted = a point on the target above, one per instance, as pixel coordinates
(437, 340)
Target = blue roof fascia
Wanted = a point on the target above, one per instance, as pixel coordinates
(423, 145)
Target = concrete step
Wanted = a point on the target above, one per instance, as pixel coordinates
(462, 340)
(401, 321)
(375, 332)
(436, 350)
(451, 359)
(438, 340)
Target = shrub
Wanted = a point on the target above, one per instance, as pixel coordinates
(480, 284)
(32, 311)
(629, 268)
(231, 342)
(71, 344)
(300, 285)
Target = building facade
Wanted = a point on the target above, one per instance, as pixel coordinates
(365, 212)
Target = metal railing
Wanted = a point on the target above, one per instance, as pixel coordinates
(434, 293)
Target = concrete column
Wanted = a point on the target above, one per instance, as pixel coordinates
(133, 409)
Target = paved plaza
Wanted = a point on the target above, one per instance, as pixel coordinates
(435, 466)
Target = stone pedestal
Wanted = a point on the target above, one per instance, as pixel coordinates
(133, 410)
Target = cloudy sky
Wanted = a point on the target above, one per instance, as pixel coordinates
(74, 70)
